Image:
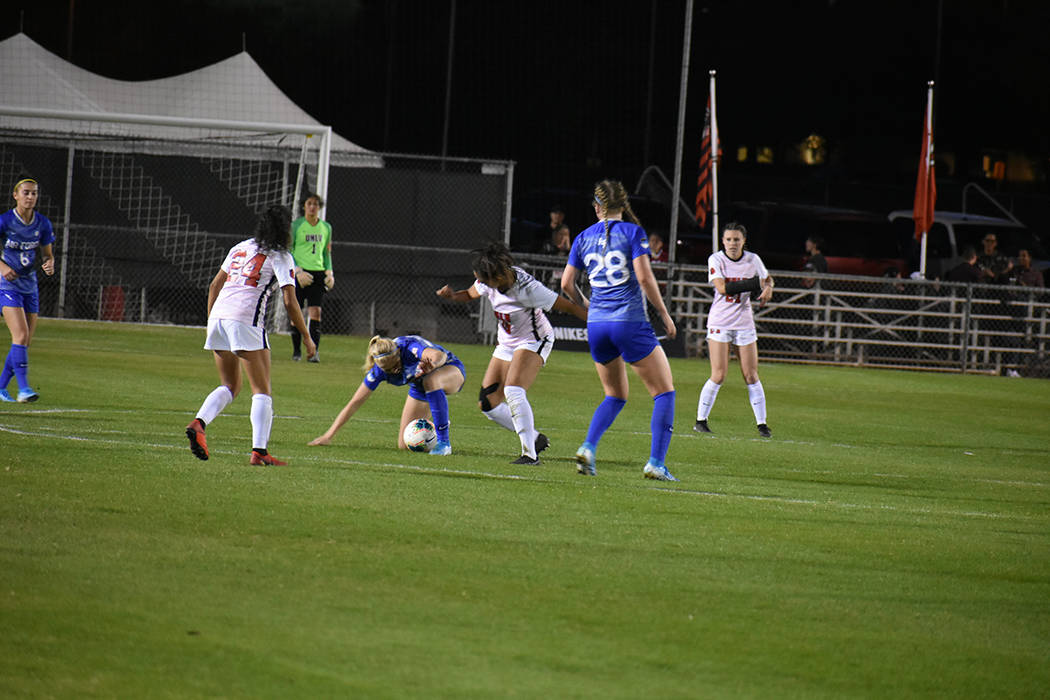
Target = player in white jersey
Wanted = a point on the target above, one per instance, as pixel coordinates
(524, 341)
(237, 300)
(737, 275)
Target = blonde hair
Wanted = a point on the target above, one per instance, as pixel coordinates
(383, 352)
(612, 196)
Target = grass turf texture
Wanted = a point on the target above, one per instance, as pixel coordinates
(892, 539)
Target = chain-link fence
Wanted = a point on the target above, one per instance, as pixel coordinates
(142, 226)
(872, 321)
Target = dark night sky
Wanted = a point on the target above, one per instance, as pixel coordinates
(551, 84)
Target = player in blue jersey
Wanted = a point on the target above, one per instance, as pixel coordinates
(25, 233)
(430, 371)
(615, 255)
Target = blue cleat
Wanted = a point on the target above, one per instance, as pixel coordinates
(585, 460)
(27, 395)
(4, 396)
(442, 449)
(658, 472)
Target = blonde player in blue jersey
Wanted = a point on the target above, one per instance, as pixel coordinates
(430, 371)
(24, 232)
(615, 255)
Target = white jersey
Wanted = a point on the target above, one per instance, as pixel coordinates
(519, 310)
(252, 276)
(733, 312)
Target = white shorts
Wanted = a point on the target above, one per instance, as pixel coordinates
(541, 347)
(744, 336)
(226, 334)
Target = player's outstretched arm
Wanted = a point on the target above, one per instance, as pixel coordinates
(462, 296)
(570, 307)
(359, 397)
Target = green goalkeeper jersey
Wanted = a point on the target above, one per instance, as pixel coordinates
(311, 245)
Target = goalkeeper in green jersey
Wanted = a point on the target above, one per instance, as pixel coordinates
(312, 251)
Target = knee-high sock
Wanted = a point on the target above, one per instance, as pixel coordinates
(500, 413)
(707, 399)
(262, 420)
(662, 426)
(19, 357)
(217, 400)
(524, 423)
(603, 417)
(439, 410)
(757, 394)
(315, 331)
(8, 372)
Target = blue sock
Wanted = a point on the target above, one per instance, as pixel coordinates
(19, 359)
(439, 410)
(603, 417)
(662, 426)
(5, 376)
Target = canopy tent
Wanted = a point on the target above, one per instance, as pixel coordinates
(233, 90)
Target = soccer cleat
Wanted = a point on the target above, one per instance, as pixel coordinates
(541, 443)
(442, 449)
(266, 460)
(296, 356)
(525, 459)
(27, 395)
(701, 426)
(315, 358)
(585, 461)
(658, 472)
(764, 431)
(4, 396)
(198, 444)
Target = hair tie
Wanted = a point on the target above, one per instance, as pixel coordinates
(383, 354)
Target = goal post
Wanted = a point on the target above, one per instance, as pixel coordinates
(134, 200)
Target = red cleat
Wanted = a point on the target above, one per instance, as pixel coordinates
(266, 460)
(198, 445)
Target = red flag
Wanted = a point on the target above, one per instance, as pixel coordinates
(926, 186)
(704, 192)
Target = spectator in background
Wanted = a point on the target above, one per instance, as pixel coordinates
(657, 249)
(815, 261)
(1025, 274)
(995, 267)
(966, 271)
(557, 238)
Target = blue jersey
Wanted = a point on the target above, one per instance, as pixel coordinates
(21, 242)
(411, 348)
(615, 292)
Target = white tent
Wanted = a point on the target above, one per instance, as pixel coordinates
(235, 89)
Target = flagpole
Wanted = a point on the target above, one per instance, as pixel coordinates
(929, 174)
(676, 188)
(714, 168)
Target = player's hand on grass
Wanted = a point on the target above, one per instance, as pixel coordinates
(322, 440)
(305, 278)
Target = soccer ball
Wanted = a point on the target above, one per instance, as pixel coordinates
(420, 435)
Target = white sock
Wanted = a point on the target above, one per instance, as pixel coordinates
(524, 423)
(217, 400)
(262, 420)
(500, 413)
(758, 401)
(707, 399)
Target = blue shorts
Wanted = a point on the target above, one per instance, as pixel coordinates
(29, 301)
(632, 341)
(416, 390)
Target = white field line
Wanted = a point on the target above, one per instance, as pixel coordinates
(536, 479)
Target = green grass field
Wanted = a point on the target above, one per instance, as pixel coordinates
(891, 540)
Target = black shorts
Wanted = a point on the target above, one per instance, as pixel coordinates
(314, 293)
